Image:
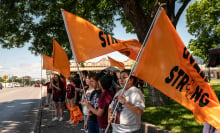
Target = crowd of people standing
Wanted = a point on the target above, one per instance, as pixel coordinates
(101, 100)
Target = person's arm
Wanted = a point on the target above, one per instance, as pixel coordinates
(98, 112)
(86, 122)
(57, 88)
(110, 116)
(130, 106)
(75, 97)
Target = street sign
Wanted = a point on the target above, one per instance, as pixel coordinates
(5, 77)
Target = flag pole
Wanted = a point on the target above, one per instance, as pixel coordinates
(41, 102)
(137, 60)
(51, 82)
(72, 48)
(41, 84)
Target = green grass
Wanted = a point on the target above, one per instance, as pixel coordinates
(215, 81)
(173, 117)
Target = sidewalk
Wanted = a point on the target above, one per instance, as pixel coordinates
(45, 124)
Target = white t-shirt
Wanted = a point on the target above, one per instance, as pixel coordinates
(207, 128)
(88, 94)
(128, 120)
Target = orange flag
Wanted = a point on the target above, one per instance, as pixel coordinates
(167, 65)
(60, 60)
(47, 62)
(118, 64)
(88, 41)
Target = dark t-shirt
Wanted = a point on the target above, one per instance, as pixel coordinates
(64, 83)
(104, 100)
(49, 89)
(58, 94)
(94, 99)
(70, 91)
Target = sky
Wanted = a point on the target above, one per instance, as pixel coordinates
(20, 62)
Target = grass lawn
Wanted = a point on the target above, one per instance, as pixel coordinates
(173, 117)
(215, 81)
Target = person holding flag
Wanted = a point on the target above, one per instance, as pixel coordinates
(105, 99)
(91, 122)
(58, 97)
(131, 106)
(49, 94)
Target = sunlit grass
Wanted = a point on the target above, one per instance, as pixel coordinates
(215, 81)
(173, 117)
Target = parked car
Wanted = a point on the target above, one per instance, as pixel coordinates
(1, 86)
(36, 85)
(17, 85)
(8, 85)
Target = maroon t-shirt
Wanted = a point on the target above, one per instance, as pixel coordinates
(49, 89)
(104, 100)
(58, 94)
(64, 83)
(70, 91)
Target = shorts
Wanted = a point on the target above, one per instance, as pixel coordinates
(58, 100)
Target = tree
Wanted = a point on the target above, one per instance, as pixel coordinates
(13, 79)
(203, 21)
(38, 21)
(1, 79)
(26, 80)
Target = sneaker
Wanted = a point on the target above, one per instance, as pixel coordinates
(69, 121)
(61, 119)
(55, 119)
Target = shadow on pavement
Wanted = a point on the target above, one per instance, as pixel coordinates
(45, 124)
(19, 115)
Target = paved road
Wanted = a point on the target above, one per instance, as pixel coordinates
(18, 109)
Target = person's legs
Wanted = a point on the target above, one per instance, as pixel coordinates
(84, 118)
(47, 100)
(60, 104)
(61, 109)
(50, 102)
(93, 127)
(71, 102)
(56, 109)
(70, 110)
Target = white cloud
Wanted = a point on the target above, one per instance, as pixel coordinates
(33, 70)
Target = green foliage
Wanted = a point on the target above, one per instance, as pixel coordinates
(38, 21)
(203, 21)
(1, 79)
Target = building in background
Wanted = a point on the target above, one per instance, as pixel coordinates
(104, 63)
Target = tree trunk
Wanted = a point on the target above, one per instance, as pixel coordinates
(141, 23)
(157, 98)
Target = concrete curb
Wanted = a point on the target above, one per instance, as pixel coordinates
(37, 128)
(150, 128)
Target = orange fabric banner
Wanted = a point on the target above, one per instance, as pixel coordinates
(118, 64)
(47, 62)
(88, 41)
(60, 60)
(168, 66)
